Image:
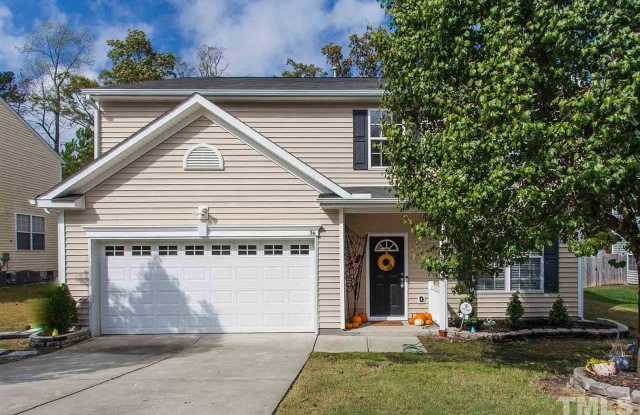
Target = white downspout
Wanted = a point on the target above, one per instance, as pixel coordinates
(341, 233)
(97, 128)
(62, 250)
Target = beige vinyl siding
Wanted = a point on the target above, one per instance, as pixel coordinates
(494, 304)
(320, 134)
(252, 190)
(27, 168)
(392, 223)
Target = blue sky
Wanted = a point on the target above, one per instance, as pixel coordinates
(258, 35)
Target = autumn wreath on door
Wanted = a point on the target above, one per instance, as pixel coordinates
(386, 262)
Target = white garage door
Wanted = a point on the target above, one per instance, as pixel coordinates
(207, 287)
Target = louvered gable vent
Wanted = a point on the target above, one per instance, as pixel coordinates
(203, 157)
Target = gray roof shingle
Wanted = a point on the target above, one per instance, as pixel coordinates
(257, 83)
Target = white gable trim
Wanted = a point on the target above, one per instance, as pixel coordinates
(173, 121)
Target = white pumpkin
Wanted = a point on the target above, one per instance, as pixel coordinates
(418, 322)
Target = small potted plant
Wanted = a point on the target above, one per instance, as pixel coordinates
(473, 324)
(619, 356)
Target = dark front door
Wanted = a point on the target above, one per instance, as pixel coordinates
(386, 273)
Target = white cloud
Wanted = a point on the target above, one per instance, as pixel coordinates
(260, 35)
(10, 56)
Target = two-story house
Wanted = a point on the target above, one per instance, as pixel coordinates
(221, 205)
(28, 167)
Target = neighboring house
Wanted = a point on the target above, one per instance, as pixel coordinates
(28, 167)
(221, 205)
(620, 248)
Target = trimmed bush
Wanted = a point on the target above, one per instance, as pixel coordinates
(56, 310)
(558, 316)
(515, 310)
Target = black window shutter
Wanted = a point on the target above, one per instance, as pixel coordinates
(552, 268)
(360, 140)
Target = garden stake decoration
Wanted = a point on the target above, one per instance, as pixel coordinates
(355, 250)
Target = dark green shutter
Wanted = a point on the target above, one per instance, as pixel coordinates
(360, 140)
(552, 268)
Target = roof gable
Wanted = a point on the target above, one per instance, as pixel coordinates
(170, 123)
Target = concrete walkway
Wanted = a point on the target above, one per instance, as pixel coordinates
(345, 343)
(188, 374)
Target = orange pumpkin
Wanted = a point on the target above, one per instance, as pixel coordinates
(411, 320)
(348, 326)
(428, 316)
(364, 318)
(356, 325)
(356, 320)
(428, 322)
(421, 316)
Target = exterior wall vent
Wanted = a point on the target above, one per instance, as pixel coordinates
(203, 157)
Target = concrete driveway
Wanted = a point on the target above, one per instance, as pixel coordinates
(172, 374)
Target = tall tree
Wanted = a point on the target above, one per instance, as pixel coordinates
(13, 91)
(75, 106)
(339, 65)
(54, 53)
(211, 61)
(134, 60)
(363, 52)
(520, 125)
(302, 70)
(77, 152)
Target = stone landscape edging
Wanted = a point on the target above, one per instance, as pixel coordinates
(20, 334)
(619, 330)
(583, 382)
(62, 340)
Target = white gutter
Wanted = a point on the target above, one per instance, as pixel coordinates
(374, 93)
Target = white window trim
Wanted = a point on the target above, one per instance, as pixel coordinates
(369, 139)
(44, 233)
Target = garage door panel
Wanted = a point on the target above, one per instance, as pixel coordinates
(208, 294)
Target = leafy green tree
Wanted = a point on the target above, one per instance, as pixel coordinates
(134, 60)
(77, 152)
(363, 53)
(13, 91)
(520, 125)
(302, 70)
(340, 65)
(75, 106)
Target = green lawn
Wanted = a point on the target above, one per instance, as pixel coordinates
(618, 302)
(474, 377)
(16, 305)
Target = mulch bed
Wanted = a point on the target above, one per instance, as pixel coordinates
(628, 379)
(503, 326)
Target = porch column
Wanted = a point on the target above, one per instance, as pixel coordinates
(343, 297)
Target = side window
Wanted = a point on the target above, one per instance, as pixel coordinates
(30, 233)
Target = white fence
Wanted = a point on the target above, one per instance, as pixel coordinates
(438, 299)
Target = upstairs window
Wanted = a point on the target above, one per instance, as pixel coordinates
(377, 140)
(30, 233)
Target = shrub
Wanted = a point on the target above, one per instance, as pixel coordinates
(56, 310)
(558, 316)
(515, 310)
